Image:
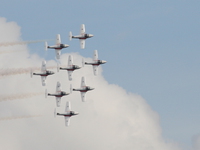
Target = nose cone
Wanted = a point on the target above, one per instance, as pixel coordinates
(91, 35)
(66, 45)
(103, 61)
(91, 88)
(76, 113)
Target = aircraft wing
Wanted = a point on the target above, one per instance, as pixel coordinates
(68, 107)
(95, 69)
(83, 96)
(82, 43)
(43, 68)
(58, 39)
(67, 120)
(82, 31)
(70, 75)
(70, 61)
(58, 52)
(83, 82)
(58, 87)
(43, 79)
(95, 57)
(58, 101)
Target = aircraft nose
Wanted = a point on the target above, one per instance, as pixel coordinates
(104, 61)
(66, 45)
(91, 35)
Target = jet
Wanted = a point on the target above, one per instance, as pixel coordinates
(68, 113)
(82, 37)
(70, 67)
(58, 47)
(58, 94)
(83, 89)
(44, 73)
(96, 62)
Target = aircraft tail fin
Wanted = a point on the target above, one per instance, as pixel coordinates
(70, 35)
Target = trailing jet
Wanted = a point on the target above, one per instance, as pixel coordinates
(58, 94)
(44, 73)
(82, 37)
(70, 67)
(96, 62)
(57, 47)
(68, 113)
(83, 89)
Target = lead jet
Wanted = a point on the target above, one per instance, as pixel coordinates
(70, 68)
(96, 62)
(44, 73)
(82, 37)
(58, 94)
(83, 89)
(58, 47)
(68, 113)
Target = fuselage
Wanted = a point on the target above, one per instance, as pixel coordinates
(45, 73)
(58, 47)
(84, 89)
(71, 113)
(97, 63)
(71, 68)
(59, 94)
(84, 36)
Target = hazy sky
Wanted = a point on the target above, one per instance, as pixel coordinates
(151, 48)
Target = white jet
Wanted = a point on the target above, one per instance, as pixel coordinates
(68, 113)
(70, 68)
(44, 73)
(82, 37)
(58, 47)
(58, 94)
(96, 62)
(83, 89)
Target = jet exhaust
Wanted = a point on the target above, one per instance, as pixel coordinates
(20, 43)
(18, 117)
(9, 72)
(13, 51)
(18, 96)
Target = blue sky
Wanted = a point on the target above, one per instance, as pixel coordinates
(151, 47)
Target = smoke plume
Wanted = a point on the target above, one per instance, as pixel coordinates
(18, 117)
(18, 96)
(20, 43)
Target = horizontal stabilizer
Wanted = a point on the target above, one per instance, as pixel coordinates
(70, 35)
(45, 46)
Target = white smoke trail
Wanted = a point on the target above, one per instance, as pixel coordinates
(13, 51)
(20, 43)
(8, 72)
(19, 96)
(18, 117)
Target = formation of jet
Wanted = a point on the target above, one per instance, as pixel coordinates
(58, 47)
(82, 37)
(68, 113)
(83, 89)
(58, 94)
(44, 73)
(96, 62)
(70, 68)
